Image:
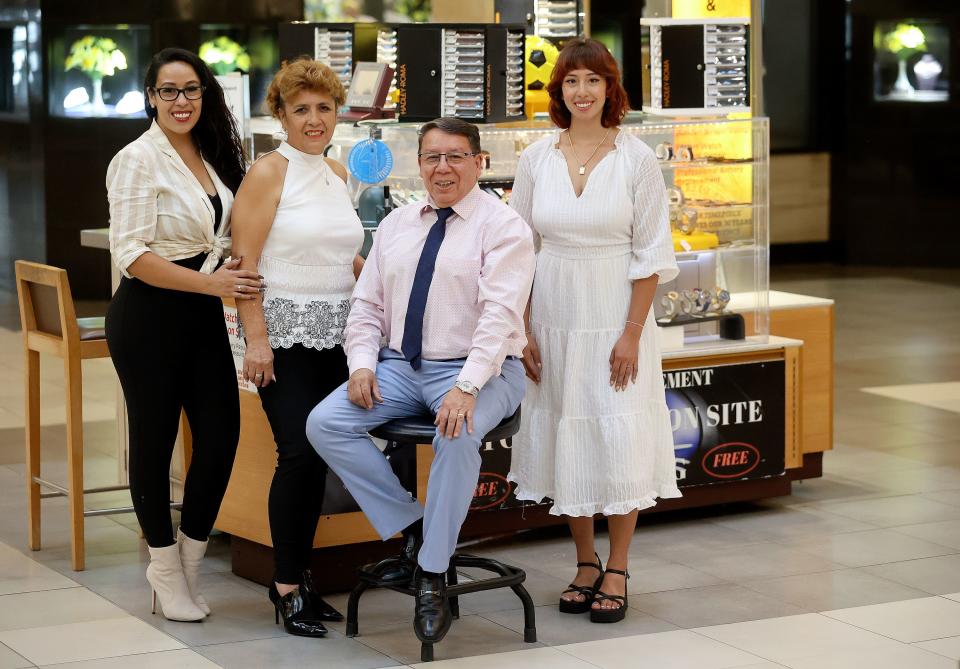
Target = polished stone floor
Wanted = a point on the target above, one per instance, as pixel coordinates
(859, 568)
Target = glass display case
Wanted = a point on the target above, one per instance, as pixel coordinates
(249, 49)
(911, 61)
(97, 70)
(716, 175)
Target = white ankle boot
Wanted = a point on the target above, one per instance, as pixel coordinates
(165, 574)
(191, 555)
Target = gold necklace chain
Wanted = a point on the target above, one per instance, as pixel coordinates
(582, 168)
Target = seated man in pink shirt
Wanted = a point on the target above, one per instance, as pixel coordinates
(446, 283)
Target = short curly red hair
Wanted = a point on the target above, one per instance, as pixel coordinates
(303, 74)
(583, 53)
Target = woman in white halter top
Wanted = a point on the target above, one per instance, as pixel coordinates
(294, 221)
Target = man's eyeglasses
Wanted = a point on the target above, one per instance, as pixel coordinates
(169, 93)
(455, 158)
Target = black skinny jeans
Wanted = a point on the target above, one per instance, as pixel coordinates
(304, 377)
(171, 351)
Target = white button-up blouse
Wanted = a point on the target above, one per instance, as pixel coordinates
(157, 204)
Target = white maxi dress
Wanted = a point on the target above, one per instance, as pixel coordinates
(581, 444)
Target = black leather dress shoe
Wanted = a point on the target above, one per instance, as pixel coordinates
(298, 617)
(432, 617)
(402, 567)
(321, 609)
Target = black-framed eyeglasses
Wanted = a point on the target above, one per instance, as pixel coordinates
(169, 93)
(454, 158)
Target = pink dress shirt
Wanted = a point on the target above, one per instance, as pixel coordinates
(477, 297)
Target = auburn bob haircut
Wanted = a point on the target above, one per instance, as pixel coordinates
(587, 54)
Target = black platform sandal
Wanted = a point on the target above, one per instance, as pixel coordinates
(610, 615)
(588, 591)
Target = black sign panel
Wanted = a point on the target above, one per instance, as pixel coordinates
(728, 422)
(728, 425)
(682, 68)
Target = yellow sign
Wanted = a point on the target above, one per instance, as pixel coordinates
(721, 193)
(710, 9)
(731, 185)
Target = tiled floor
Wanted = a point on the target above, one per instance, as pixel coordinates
(859, 568)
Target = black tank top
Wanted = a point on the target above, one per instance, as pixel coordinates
(217, 209)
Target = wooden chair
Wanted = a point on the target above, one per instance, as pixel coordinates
(50, 325)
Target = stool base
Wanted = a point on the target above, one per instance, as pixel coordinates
(508, 577)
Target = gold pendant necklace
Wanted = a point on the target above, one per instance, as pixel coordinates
(583, 166)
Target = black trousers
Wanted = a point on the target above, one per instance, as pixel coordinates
(304, 377)
(171, 352)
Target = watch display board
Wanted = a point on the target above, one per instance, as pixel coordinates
(471, 71)
(696, 67)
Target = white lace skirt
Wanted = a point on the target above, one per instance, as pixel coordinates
(583, 445)
(305, 304)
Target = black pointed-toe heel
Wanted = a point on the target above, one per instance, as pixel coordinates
(588, 591)
(611, 615)
(321, 608)
(298, 617)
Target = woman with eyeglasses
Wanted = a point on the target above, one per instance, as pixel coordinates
(596, 435)
(170, 193)
(294, 222)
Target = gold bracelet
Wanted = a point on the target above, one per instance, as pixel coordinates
(639, 325)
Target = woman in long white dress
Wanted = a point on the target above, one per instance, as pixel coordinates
(595, 436)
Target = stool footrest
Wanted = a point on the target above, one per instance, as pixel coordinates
(508, 576)
(58, 490)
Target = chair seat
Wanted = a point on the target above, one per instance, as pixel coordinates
(421, 430)
(92, 328)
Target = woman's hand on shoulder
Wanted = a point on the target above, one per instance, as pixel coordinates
(338, 168)
(231, 281)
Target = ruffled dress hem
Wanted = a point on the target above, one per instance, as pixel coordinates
(618, 508)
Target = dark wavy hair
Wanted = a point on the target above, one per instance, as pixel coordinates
(587, 54)
(216, 132)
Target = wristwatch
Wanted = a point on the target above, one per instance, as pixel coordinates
(467, 387)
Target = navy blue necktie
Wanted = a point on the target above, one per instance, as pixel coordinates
(412, 345)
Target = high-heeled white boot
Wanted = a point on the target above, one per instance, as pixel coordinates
(165, 574)
(191, 555)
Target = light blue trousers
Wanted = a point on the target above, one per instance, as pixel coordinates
(338, 428)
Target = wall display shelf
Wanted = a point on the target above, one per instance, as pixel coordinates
(911, 61)
(19, 65)
(96, 71)
(247, 48)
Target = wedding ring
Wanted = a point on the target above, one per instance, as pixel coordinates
(258, 375)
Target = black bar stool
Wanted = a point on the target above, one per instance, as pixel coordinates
(402, 436)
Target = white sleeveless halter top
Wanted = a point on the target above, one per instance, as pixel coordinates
(307, 259)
